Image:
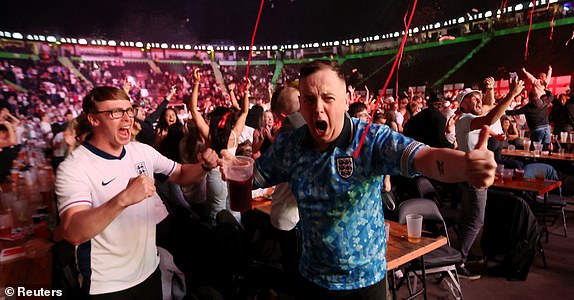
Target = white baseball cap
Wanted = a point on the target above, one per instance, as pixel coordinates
(460, 96)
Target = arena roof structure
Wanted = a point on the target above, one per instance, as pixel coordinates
(231, 21)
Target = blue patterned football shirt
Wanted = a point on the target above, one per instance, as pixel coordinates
(339, 199)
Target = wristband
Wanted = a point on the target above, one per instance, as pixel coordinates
(206, 169)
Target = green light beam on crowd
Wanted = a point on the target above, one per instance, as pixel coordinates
(461, 62)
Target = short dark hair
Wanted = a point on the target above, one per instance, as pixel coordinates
(317, 65)
(275, 104)
(355, 108)
(102, 93)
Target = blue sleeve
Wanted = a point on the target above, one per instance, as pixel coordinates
(272, 167)
(393, 153)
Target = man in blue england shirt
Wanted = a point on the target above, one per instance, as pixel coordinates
(339, 196)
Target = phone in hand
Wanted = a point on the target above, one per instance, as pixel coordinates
(513, 76)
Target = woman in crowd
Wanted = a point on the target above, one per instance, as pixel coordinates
(510, 132)
(222, 132)
(168, 117)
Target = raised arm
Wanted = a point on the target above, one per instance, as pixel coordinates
(151, 118)
(498, 110)
(240, 123)
(447, 165)
(530, 76)
(234, 103)
(488, 102)
(196, 115)
(549, 75)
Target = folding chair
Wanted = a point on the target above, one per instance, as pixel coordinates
(550, 202)
(442, 260)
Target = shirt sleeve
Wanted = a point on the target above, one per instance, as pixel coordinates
(72, 186)
(271, 168)
(161, 164)
(393, 153)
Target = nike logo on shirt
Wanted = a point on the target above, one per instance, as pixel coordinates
(104, 183)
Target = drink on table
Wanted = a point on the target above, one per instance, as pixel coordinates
(519, 174)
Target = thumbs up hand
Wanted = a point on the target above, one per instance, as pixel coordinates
(480, 164)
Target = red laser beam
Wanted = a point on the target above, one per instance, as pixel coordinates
(253, 39)
(397, 59)
(529, 29)
(552, 24)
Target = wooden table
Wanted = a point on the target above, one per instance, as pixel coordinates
(529, 185)
(530, 154)
(400, 251)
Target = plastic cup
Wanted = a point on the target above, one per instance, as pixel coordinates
(414, 227)
(239, 176)
(387, 230)
(498, 173)
(571, 137)
(6, 224)
(507, 175)
(563, 136)
(537, 146)
(519, 174)
(561, 152)
(7, 198)
(527, 145)
(539, 174)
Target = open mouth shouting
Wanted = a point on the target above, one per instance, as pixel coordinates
(125, 132)
(321, 127)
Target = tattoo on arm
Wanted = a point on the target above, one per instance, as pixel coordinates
(440, 167)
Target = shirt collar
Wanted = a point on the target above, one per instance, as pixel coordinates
(102, 153)
(343, 140)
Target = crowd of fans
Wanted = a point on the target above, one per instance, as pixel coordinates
(179, 113)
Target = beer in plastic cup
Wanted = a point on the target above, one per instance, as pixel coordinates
(519, 174)
(539, 174)
(527, 145)
(507, 175)
(6, 224)
(414, 227)
(564, 137)
(239, 176)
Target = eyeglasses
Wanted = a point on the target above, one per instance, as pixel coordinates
(364, 115)
(118, 113)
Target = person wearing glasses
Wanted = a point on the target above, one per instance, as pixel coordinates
(107, 200)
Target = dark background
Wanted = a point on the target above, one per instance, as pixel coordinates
(226, 21)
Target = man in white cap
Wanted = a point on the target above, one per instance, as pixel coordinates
(473, 117)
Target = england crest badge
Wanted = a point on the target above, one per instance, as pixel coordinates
(345, 167)
(141, 168)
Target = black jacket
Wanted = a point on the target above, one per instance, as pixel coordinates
(428, 127)
(147, 134)
(535, 112)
